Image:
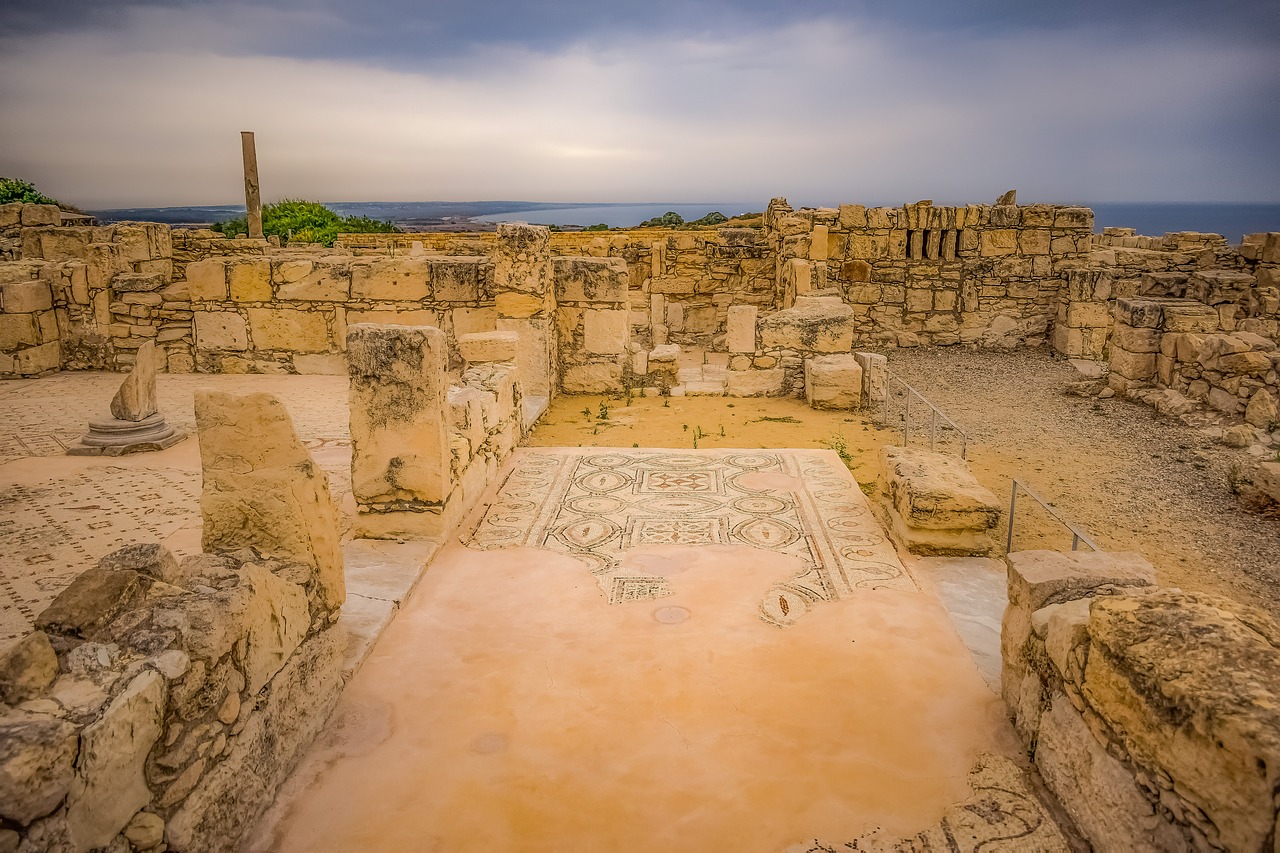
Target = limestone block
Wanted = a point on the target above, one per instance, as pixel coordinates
(522, 262)
(1136, 367)
(480, 347)
(27, 667)
(37, 753)
(534, 353)
(1088, 315)
(136, 399)
(207, 280)
(756, 383)
(262, 488)
(466, 416)
(1139, 313)
(146, 558)
(131, 282)
(605, 331)
(1136, 340)
(833, 382)
(818, 238)
(394, 317)
(1239, 364)
(665, 353)
(56, 244)
(10, 214)
(91, 601)
(1190, 684)
(18, 330)
(999, 241)
(221, 330)
(1216, 287)
(797, 275)
(875, 376)
(25, 297)
(1262, 411)
(467, 321)
(233, 793)
(249, 279)
(591, 279)
(326, 279)
(392, 279)
(936, 505)
(36, 360)
(110, 785)
(741, 328)
(519, 305)
(1034, 241)
(276, 622)
(288, 329)
(320, 364)
(592, 378)
(1097, 790)
(40, 214)
(457, 279)
(399, 407)
(823, 325)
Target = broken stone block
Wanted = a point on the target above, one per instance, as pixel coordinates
(755, 383)
(480, 347)
(935, 505)
(593, 378)
(27, 668)
(1139, 313)
(605, 331)
(399, 402)
(1262, 411)
(276, 622)
(815, 324)
(833, 382)
(741, 328)
(875, 376)
(136, 398)
(110, 785)
(262, 488)
(92, 600)
(591, 279)
(1190, 685)
(37, 754)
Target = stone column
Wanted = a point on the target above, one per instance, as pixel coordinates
(252, 195)
(400, 457)
(525, 303)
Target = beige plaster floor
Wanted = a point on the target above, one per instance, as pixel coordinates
(618, 656)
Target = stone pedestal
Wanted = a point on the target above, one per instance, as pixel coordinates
(110, 436)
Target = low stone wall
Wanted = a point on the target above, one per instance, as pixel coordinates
(1152, 714)
(160, 705)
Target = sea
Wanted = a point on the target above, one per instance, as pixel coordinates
(1232, 221)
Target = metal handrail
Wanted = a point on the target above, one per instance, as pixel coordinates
(1077, 535)
(936, 416)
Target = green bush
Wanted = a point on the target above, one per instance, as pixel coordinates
(18, 190)
(597, 227)
(305, 222)
(715, 217)
(670, 219)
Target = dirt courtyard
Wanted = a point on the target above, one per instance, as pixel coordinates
(1132, 480)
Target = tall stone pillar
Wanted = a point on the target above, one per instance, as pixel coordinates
(252, 193)
(400, 458)
(525, 301)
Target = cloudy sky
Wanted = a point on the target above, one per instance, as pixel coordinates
(106, 103)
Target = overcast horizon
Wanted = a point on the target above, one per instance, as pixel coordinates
(116, 104)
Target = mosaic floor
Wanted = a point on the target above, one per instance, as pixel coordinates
(597, 506)
(60, 514)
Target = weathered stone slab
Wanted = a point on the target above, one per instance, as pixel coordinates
(817, 325)
(110, 783)
(935, 504)
(591, 279)
(741, 328)
(833, 382)
(136, 399)
(36, 764)
(1190, 684)
(262, 488)
(605, 331)
(27, 667)
(92, 600)
(875, 376)
(755, 383)
(399, 411)
(481, 347)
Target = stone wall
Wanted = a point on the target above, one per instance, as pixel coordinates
(160, 705)
(1152, 714)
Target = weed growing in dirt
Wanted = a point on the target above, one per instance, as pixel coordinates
(837, 443)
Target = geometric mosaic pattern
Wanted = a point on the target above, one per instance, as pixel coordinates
(596, 505)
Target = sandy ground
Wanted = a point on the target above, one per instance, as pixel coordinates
(1131, 480)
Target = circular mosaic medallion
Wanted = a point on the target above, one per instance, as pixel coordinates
(761, 505)
(594, 504)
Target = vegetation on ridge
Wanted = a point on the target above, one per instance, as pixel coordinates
(24, 192)
(305, 222)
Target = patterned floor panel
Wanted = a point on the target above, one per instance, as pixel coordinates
(599, 505)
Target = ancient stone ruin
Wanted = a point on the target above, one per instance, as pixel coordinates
(164, 698)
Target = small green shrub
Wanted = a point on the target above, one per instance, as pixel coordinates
(305, 222)
(24, 192)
